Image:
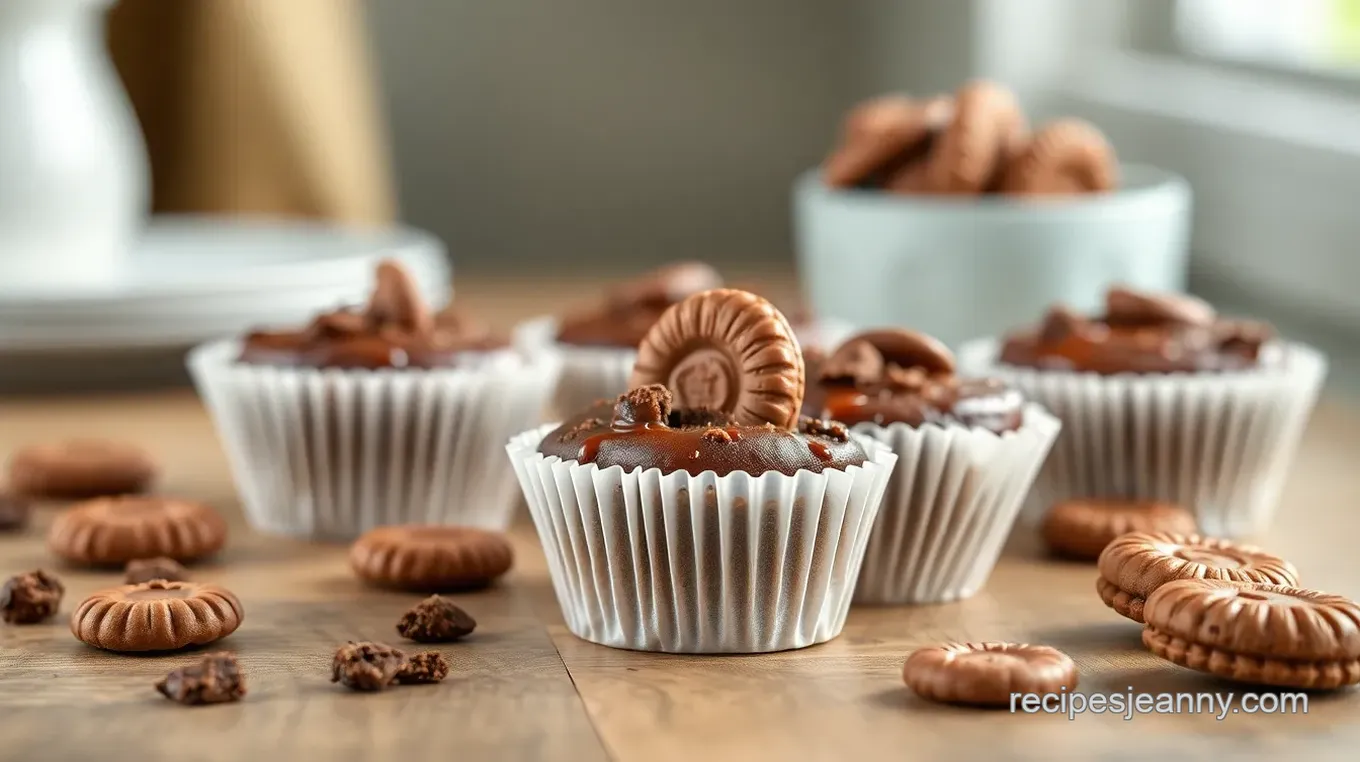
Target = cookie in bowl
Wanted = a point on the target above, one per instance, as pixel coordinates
(1162, 399)
(699, 512)
(372, 415)
(967, 448)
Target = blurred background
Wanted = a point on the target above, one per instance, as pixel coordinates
(578, 138)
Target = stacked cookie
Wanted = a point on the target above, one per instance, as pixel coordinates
(976, 142)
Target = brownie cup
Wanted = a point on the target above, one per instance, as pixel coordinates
(968, 450)
(372, 415)
(1161, 398)
(699, 512)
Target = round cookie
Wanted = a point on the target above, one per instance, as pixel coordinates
(877, 133)
(1080, 529)
(80, 468)
(726, 350)
(156, 616)
(986, 674)
(430, 558)
(1065, 157)
(971, 151)
(116, 530)
(1263, 634)
(1138, 563)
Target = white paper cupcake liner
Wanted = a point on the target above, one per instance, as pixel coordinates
(701, 564)
(585, 374)
(1220, 444)
(330, 453)
(949, 507)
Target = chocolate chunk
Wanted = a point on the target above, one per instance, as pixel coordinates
(14, 512)
(30, 598)
(146, 569)
(424, 667)
(435, 620)
(217, 679)
(1129, 307)
(646, 404)
(717, 436)
(1059, 323)
(726, 350)
(857, 362)
(396, 301)
(367, 666)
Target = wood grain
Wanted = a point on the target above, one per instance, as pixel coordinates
(523, 688)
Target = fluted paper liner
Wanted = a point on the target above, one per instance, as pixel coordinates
(332, 453)
(701, 564)
(1220, 444)
(588, 374)
(949, 506)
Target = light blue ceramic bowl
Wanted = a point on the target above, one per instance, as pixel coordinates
(959, 269)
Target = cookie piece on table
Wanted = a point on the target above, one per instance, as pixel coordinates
(30, 598)
(1134, 565)
(80, 468)
(1080, 529)
(423, 668)
(115, 530)
(435, 620)
(1263, 634)
(987, 674)
(430, 558)
(217, 679)
(157, 616)
(367, 666)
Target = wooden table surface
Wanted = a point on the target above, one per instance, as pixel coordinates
(523, 688)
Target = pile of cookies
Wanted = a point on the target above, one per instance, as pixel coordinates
(115, 523)
(977, 141)
(1231, 610)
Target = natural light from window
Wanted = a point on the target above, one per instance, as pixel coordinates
(1302, 34)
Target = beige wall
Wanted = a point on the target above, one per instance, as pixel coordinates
(559, 131)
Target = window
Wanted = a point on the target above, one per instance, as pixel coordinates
(1309, 35)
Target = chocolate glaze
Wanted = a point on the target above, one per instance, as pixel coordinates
(394, 330)
(1139, 333)
(641, 430)
(631, 308)
(897, 376)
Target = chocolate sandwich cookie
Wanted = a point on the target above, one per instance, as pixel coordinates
(395, 329)
(430, 557)
(631, 308)
(80, 468)
(157, 616)
(1263, 634)
(895, 375)
(1139, 333)
(987, 674)
(987, 126)
(116, 530)
(1080, 529)
(1065, 157)
(1134, 565)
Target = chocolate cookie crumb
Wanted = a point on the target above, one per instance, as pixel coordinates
(14, 512)
(828, 429)
(647, 404)
(716, 436)
(424, 667)
(367, 666)
(146, 569)
(30, 598)
(215, 680)
(435, 620)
